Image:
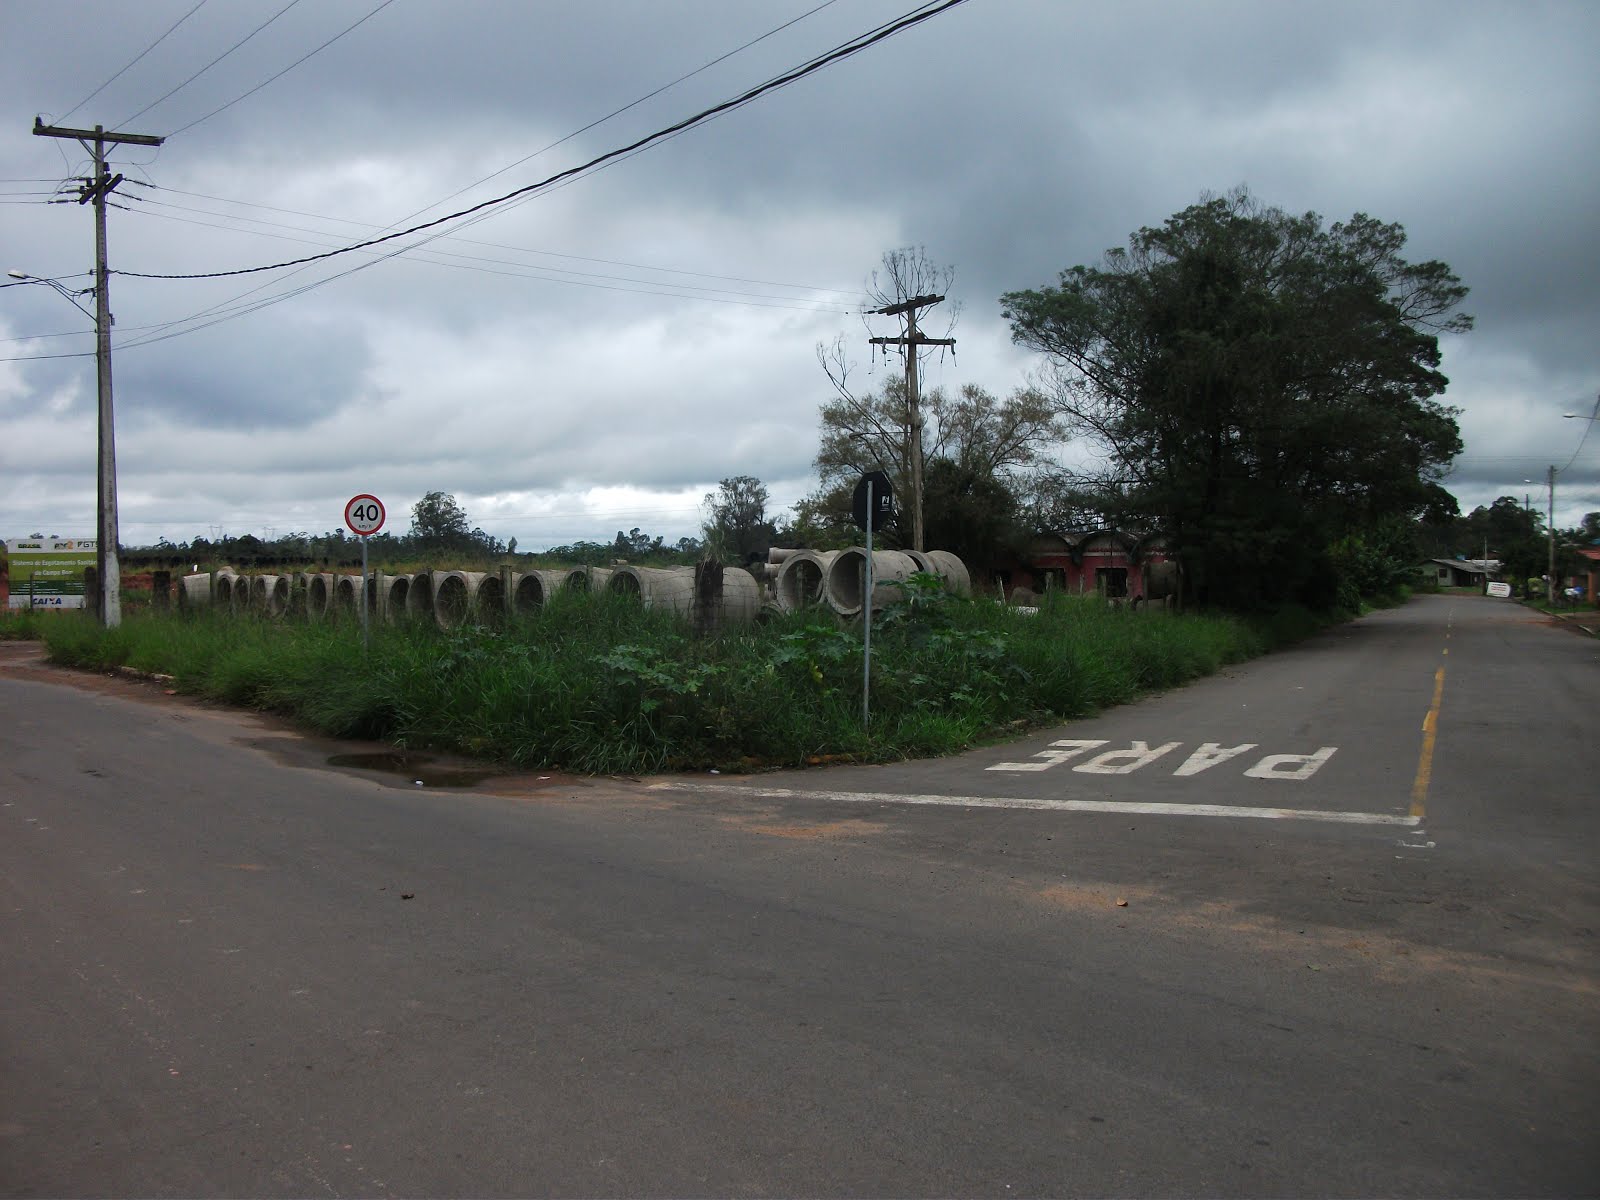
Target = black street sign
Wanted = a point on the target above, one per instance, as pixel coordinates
(882, 501)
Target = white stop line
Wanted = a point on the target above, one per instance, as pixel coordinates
(1094, 806)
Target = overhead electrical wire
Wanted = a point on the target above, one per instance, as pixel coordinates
(209, 65)
(632, 266)
(844, 51)
(135, 61)
(374, 12)
(244, 310)
(231, 309)
(617, 112)
(557, 274)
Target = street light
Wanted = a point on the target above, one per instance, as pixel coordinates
(1550, 585)
(108, 573)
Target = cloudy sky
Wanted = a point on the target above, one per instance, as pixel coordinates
(596, 356)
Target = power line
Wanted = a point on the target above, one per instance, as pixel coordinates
(209, 65)
(846, 50)
(135, 61)
(609, 262)
(619, 111)
(184, 128)
(329, 279)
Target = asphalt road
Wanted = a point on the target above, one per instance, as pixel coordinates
(1143, 962)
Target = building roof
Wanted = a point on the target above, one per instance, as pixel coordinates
(1466, 565)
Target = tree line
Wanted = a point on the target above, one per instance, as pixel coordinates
(1260, 387)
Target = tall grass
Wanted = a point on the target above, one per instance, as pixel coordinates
(598, 684)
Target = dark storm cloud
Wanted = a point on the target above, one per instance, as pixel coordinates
(1011, 139)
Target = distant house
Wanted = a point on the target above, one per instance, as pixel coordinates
(1588, 576)
(1107, 562)
(1459, 572)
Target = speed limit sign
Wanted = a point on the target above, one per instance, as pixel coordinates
(363, 516)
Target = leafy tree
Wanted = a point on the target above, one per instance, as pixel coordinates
(974, 442)
(737, 528)
(1262, 384)
(967, 511)
(438, 522)
(635, 546)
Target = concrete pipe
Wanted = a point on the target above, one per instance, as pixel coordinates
(269, 595)
(777, 556)
(725, 596)
(346, 593)
(392, 597)
(299, 592)
(491, 602)
(846, 578)
(533, 588)
(800, 579)
(319, 596)
(455, 597)
(598, 578)
(224, 590)
(419, 599)
(952, 570)
(656, 587)
(194, 592)
(924, 564)
(527, 596)
(1160, 580)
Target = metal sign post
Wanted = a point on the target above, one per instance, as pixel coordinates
(364, 516)
(872, 504)
(866, 629)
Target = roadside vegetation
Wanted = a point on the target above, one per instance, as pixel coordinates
(600, 685)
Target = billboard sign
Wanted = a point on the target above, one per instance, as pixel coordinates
(48, 572)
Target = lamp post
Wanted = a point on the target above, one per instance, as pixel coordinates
(108, 574)
(1550, 588)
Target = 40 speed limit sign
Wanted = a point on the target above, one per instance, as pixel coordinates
(364, 515)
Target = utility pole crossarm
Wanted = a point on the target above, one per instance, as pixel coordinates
(97, 134)
(911, 305)
(917, 340)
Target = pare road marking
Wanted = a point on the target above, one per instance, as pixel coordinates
(1294, 767)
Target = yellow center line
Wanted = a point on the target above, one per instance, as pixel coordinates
(1430, 730)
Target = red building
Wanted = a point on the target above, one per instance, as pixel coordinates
(1106, 562)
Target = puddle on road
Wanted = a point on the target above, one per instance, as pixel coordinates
(414, 768)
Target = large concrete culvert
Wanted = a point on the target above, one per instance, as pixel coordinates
(319, 596)
(269, 595)
(194, 592)
(656, 587)
(846, 579)
(346, 593)
(392, 591)
(734, 598)
(225, 590)
(952, 570)
(533, 589)
(527, 596)
(455, 596)
(800, 579)
(491, 605)
(419, 599)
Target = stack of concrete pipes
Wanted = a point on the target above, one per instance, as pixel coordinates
(838, 578)
(707, 594)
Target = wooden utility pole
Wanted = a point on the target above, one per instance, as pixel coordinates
(908, 345)
(94, 191)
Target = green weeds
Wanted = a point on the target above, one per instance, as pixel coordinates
(601, 685)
